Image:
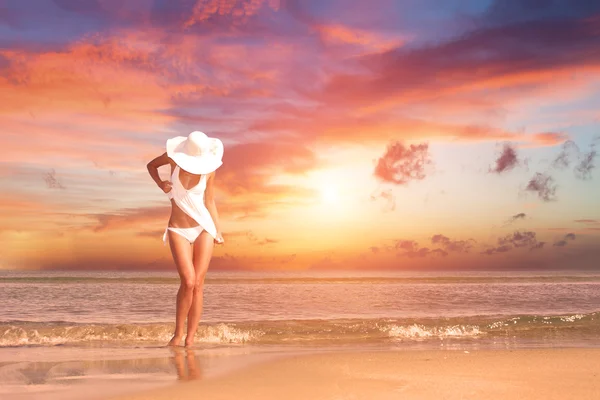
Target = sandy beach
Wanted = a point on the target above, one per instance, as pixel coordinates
(555, 373)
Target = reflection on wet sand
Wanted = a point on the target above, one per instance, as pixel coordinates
(93, 379)
(73, 373)
(186, 364)
(46, 372)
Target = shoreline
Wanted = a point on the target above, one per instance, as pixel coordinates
(539, 373)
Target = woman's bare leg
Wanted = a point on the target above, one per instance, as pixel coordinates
(182, 255)
(203, 248)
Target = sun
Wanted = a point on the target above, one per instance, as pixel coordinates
(330, 195)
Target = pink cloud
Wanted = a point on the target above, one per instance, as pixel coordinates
(400, 164)
(388, 197)
(236, 11)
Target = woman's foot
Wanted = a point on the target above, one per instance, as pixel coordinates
(189, 341)
(175, 341)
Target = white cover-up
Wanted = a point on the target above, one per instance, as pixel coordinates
(191, 202)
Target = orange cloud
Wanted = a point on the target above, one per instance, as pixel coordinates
(132, 76)
(104, 78)
(139, 218)
(370, 41)
(324, 125)
(249, 166)
(549, 138)
(26, 211)
(109, 100)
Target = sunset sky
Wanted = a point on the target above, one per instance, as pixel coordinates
(392, 134)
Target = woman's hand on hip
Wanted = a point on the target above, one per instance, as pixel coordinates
(166, 186)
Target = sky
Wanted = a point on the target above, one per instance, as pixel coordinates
(359, 135)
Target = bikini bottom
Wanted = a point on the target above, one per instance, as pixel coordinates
(191, 234)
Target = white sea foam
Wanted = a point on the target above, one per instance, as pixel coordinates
(223, 333)
(416, 331)
(57, 335)
(26, 333)
(572, 318)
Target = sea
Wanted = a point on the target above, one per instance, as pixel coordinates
(58, 327)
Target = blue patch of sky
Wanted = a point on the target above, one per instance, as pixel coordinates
(423, 20)
(516, 11)
(45, 24)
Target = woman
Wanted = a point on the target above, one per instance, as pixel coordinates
(193, 227)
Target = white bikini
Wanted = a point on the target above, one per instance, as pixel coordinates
(190, 201)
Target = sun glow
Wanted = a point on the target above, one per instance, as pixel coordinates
(330, 195)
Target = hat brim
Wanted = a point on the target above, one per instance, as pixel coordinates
(200, 165)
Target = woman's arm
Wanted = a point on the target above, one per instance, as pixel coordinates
(209, 201)
(153, 166)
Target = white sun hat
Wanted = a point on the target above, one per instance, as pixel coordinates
(196, 153)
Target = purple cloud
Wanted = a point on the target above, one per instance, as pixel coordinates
(515, 240)
(570, 236)
(583, 170)
(569, 150)
(507, 160)
(52, 181)
(565, 240)
(460, 246)
(409, 245)
(543, 185)
(499, 249)
(538, 245)
(515, 218)
(519, 239)
(423, 252)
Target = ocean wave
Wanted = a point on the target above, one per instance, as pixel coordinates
(416, 331)
(27, 334)
(531, 322)
(344, 331)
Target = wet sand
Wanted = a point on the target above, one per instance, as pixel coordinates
(555, 373)
(95, 373)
